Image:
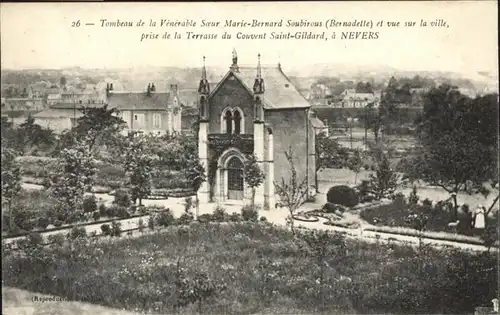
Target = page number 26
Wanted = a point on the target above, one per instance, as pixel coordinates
(75, 23)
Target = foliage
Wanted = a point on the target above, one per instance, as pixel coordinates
(122, 198)
(354, 163)
(96, 215)
(106, 230)
(342, 195)
(138, 274)
(328, 153)
(196, 175)
(77, 232)
(11, 182)
(254, 176)
(384, 181)
(89, 204)
(139, 168)
(165, 218)
(116, 229)
(140, 225)
(74, 176)
(248, 213)
(331, 207)
(292, 192)
(490, 235)
(459, 144)
(98, 126)
(219, 214)
(43, 222)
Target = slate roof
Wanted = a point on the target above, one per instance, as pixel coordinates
(139, 100)
(280, 93)
(71, 105)
(58, 113)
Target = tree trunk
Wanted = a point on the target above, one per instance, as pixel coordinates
(253, 198)
(355, 177)
(197, 205)
(316, 181)
(491, 207)
(455, 206)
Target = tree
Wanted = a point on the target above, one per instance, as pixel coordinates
(459, 145)
(11, 181)
(196, 175)
(99, 125)
(292, 192)
(62, 81)
(328, 153)
(384, 181)
(139, 168)
(354, 163)
(254, 176)
(31, 135)
(73, 177)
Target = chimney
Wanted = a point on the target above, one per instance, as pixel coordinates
(148, 89)
(153, 87)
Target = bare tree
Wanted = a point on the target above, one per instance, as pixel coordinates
(292, 192)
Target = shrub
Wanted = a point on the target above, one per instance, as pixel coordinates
(372, 167)
(122, 198)
(56, 239)
(206, 217)
(248, 213)
(366, 167)
(263, 219)
(185, 218)
(103, 210)
(140, 225)
(363, 188)
(235, 217)
(96, 215)
(342, 195)
(188, 204)
(399, 199)
(58, 223)
(77, 232)
(116, 229)
(43, 222)
(166, 218)
(330, 207)
(106, 230)
(34, 239)
(219, 214)
(427, 203)
(89, 204)
(118, 211)
(151, 222)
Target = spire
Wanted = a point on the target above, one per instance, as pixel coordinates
(234, 66)
(203, 70)
(204, 87)
(259, 70)
(258, 86)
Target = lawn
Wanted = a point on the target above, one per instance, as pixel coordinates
(255, 268)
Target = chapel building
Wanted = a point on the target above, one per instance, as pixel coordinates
(252, 110)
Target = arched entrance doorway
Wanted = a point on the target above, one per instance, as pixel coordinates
(235, 178)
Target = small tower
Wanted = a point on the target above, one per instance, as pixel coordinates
(203, 91)
(258, 130)
(234, 66)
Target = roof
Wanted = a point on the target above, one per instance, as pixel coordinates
(139, 100)
(360, 96)
(279, 93)
(73, 105)
(58, 113)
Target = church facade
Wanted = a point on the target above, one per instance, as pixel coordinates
(252, 111)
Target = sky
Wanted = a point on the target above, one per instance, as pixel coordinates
(39, 35)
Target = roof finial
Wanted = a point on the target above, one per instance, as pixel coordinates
(235, 57)
(203, 70)
(259, 70)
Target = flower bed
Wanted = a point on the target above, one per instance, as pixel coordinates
(427, 234)
(305, 218)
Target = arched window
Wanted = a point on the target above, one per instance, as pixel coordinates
(202, 106)
(237, 122)
(228, 120)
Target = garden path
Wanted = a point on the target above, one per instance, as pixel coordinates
(275, 216)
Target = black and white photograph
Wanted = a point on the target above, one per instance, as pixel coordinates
(250, 158)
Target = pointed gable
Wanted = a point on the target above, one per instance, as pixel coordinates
(280, 92)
